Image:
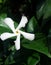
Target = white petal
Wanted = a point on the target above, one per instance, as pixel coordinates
(28, 36)
(6, 35)
(10, 23)
(17, 42)
(23, 22)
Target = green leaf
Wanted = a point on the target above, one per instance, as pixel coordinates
(38, 45)
(34, 59)
(45, 10)
(3, 29)
(32, 25)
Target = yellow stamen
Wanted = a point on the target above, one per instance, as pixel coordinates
(17, 32)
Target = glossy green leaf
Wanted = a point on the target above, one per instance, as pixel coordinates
(32, 26)
(2, 30)
(38, 45)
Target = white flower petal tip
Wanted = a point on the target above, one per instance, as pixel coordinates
(33, 36)
(10, 23)
(17, 46)
(28, 36)
(23, 22)
(5, 36)
(17, 42)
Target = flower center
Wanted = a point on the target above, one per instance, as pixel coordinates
(17, 32)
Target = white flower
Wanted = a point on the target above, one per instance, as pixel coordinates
(17, 32)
